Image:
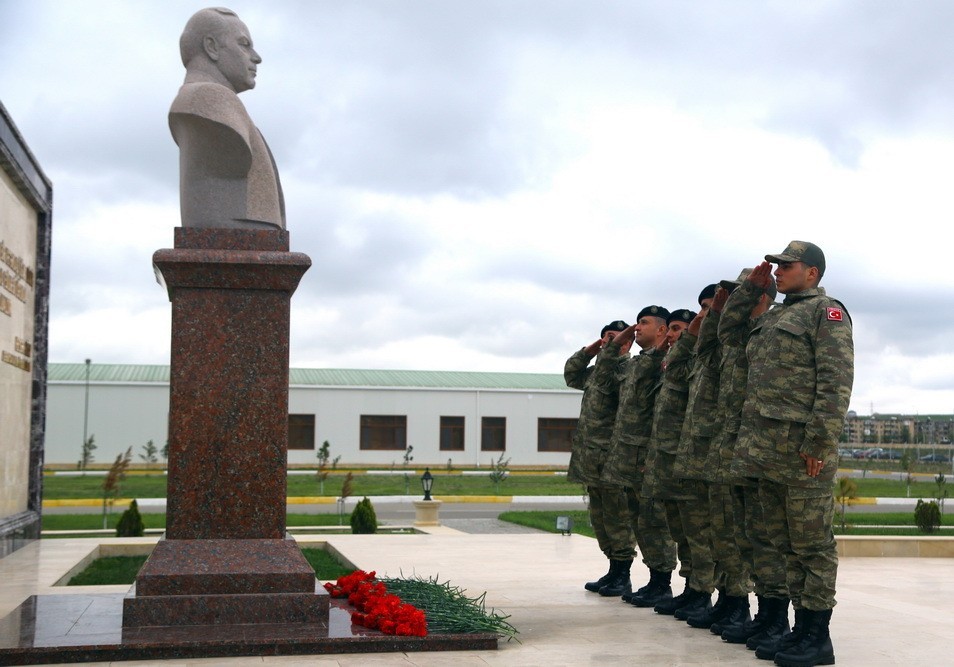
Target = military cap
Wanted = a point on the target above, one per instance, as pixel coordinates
(801, 251)
(681, 315)
(730, 285)
(707, 293)
(615, 325)
(653, 311)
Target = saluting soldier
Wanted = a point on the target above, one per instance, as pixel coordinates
(801, 370)
(607, 506)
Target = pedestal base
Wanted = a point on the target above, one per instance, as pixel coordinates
(426, 511)
(215, 582)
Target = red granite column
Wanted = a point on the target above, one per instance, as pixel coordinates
(225, 558)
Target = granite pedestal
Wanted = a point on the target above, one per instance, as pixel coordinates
(225, 559)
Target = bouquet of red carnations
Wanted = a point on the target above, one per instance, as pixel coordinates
(376, 608)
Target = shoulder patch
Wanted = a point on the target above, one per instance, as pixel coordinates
(835, 314)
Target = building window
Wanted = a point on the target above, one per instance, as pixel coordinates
(452, 434)
(301, 431)
(383, 432)
(555, 435)
(493, 434)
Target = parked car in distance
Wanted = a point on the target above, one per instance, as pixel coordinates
(935, 458)
(891, 455)
(870, 453)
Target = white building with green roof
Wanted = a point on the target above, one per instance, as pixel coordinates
(369, 417)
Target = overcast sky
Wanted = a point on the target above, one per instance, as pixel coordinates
(482, 185)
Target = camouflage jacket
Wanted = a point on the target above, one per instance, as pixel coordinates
(801, 369)
(701, 423)
(732, 377)
(733, 374)
(594, 428)
(670, 406)
(634, 418)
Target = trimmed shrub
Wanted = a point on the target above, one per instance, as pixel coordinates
(130, 523)
(363, 518)
(928, 516)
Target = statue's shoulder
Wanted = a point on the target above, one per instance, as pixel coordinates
(214, 102)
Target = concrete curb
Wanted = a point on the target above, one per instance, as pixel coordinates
(156, 503)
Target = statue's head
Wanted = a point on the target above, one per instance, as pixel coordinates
(216, 43)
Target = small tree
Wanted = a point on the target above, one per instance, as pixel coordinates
(149, 453)
(345, 494)
(498, 472)
(407, 478)
(165, 451)
(86, 456)
(846, 489)
(324, 456)
(130, 523)
(941, 493)
(907, 461)
(114, 478)
(364, 521)
(927, 515)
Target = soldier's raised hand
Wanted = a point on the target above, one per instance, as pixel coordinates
(761, 275)
(718, 301)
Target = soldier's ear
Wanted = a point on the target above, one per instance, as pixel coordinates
(814, 275)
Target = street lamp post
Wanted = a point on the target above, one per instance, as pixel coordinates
(86, 416)
(426, 511)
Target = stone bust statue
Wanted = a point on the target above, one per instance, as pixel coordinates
(227, 175)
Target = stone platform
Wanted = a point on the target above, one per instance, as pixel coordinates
(84, 628)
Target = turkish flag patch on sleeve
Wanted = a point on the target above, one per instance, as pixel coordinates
(835, 314)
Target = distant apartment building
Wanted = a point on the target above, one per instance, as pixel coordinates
(898, 429)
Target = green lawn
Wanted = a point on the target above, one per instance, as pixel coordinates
(154, 486)
(122, 570)
(546, 520)
(109, 570)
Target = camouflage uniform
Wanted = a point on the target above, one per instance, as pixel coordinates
(764, 562)
(801, 369)
(607, 503)
(700, 461)
(660, 482)
(697, 432)
(626, 464)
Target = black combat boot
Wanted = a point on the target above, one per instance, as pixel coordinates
(642, 589)
(734, 617)
(740, 634)
(705, 618)
(771, 621)
(697, 602)
(768, 649)
(814, 647)
(668, 607)
(658, 590)
(775, 626)
(619, 583)
(595, 586)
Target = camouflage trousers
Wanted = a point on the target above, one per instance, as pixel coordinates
(726, 512)
(679, 536)
(697, 526)
(610, 518)
(652, 531)
(765, 562)
(799, 522)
